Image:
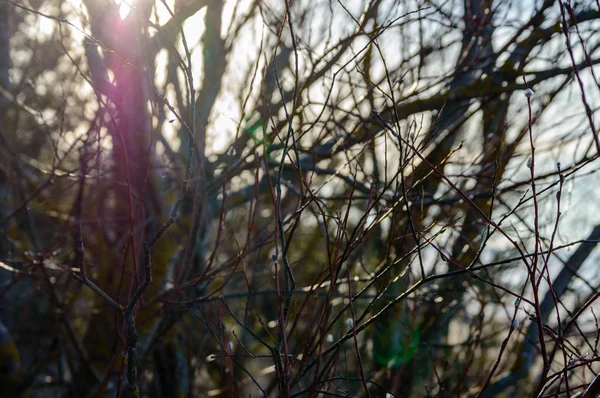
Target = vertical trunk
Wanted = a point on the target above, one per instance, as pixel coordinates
(10, 363)
(476, 57)
(135, 212)
(4, 103)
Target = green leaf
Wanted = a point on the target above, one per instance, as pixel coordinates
(395, 342)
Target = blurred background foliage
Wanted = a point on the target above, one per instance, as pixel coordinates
(358, 219)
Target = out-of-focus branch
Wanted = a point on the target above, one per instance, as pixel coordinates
(526, 356)
(98, 71)
(5, 64)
